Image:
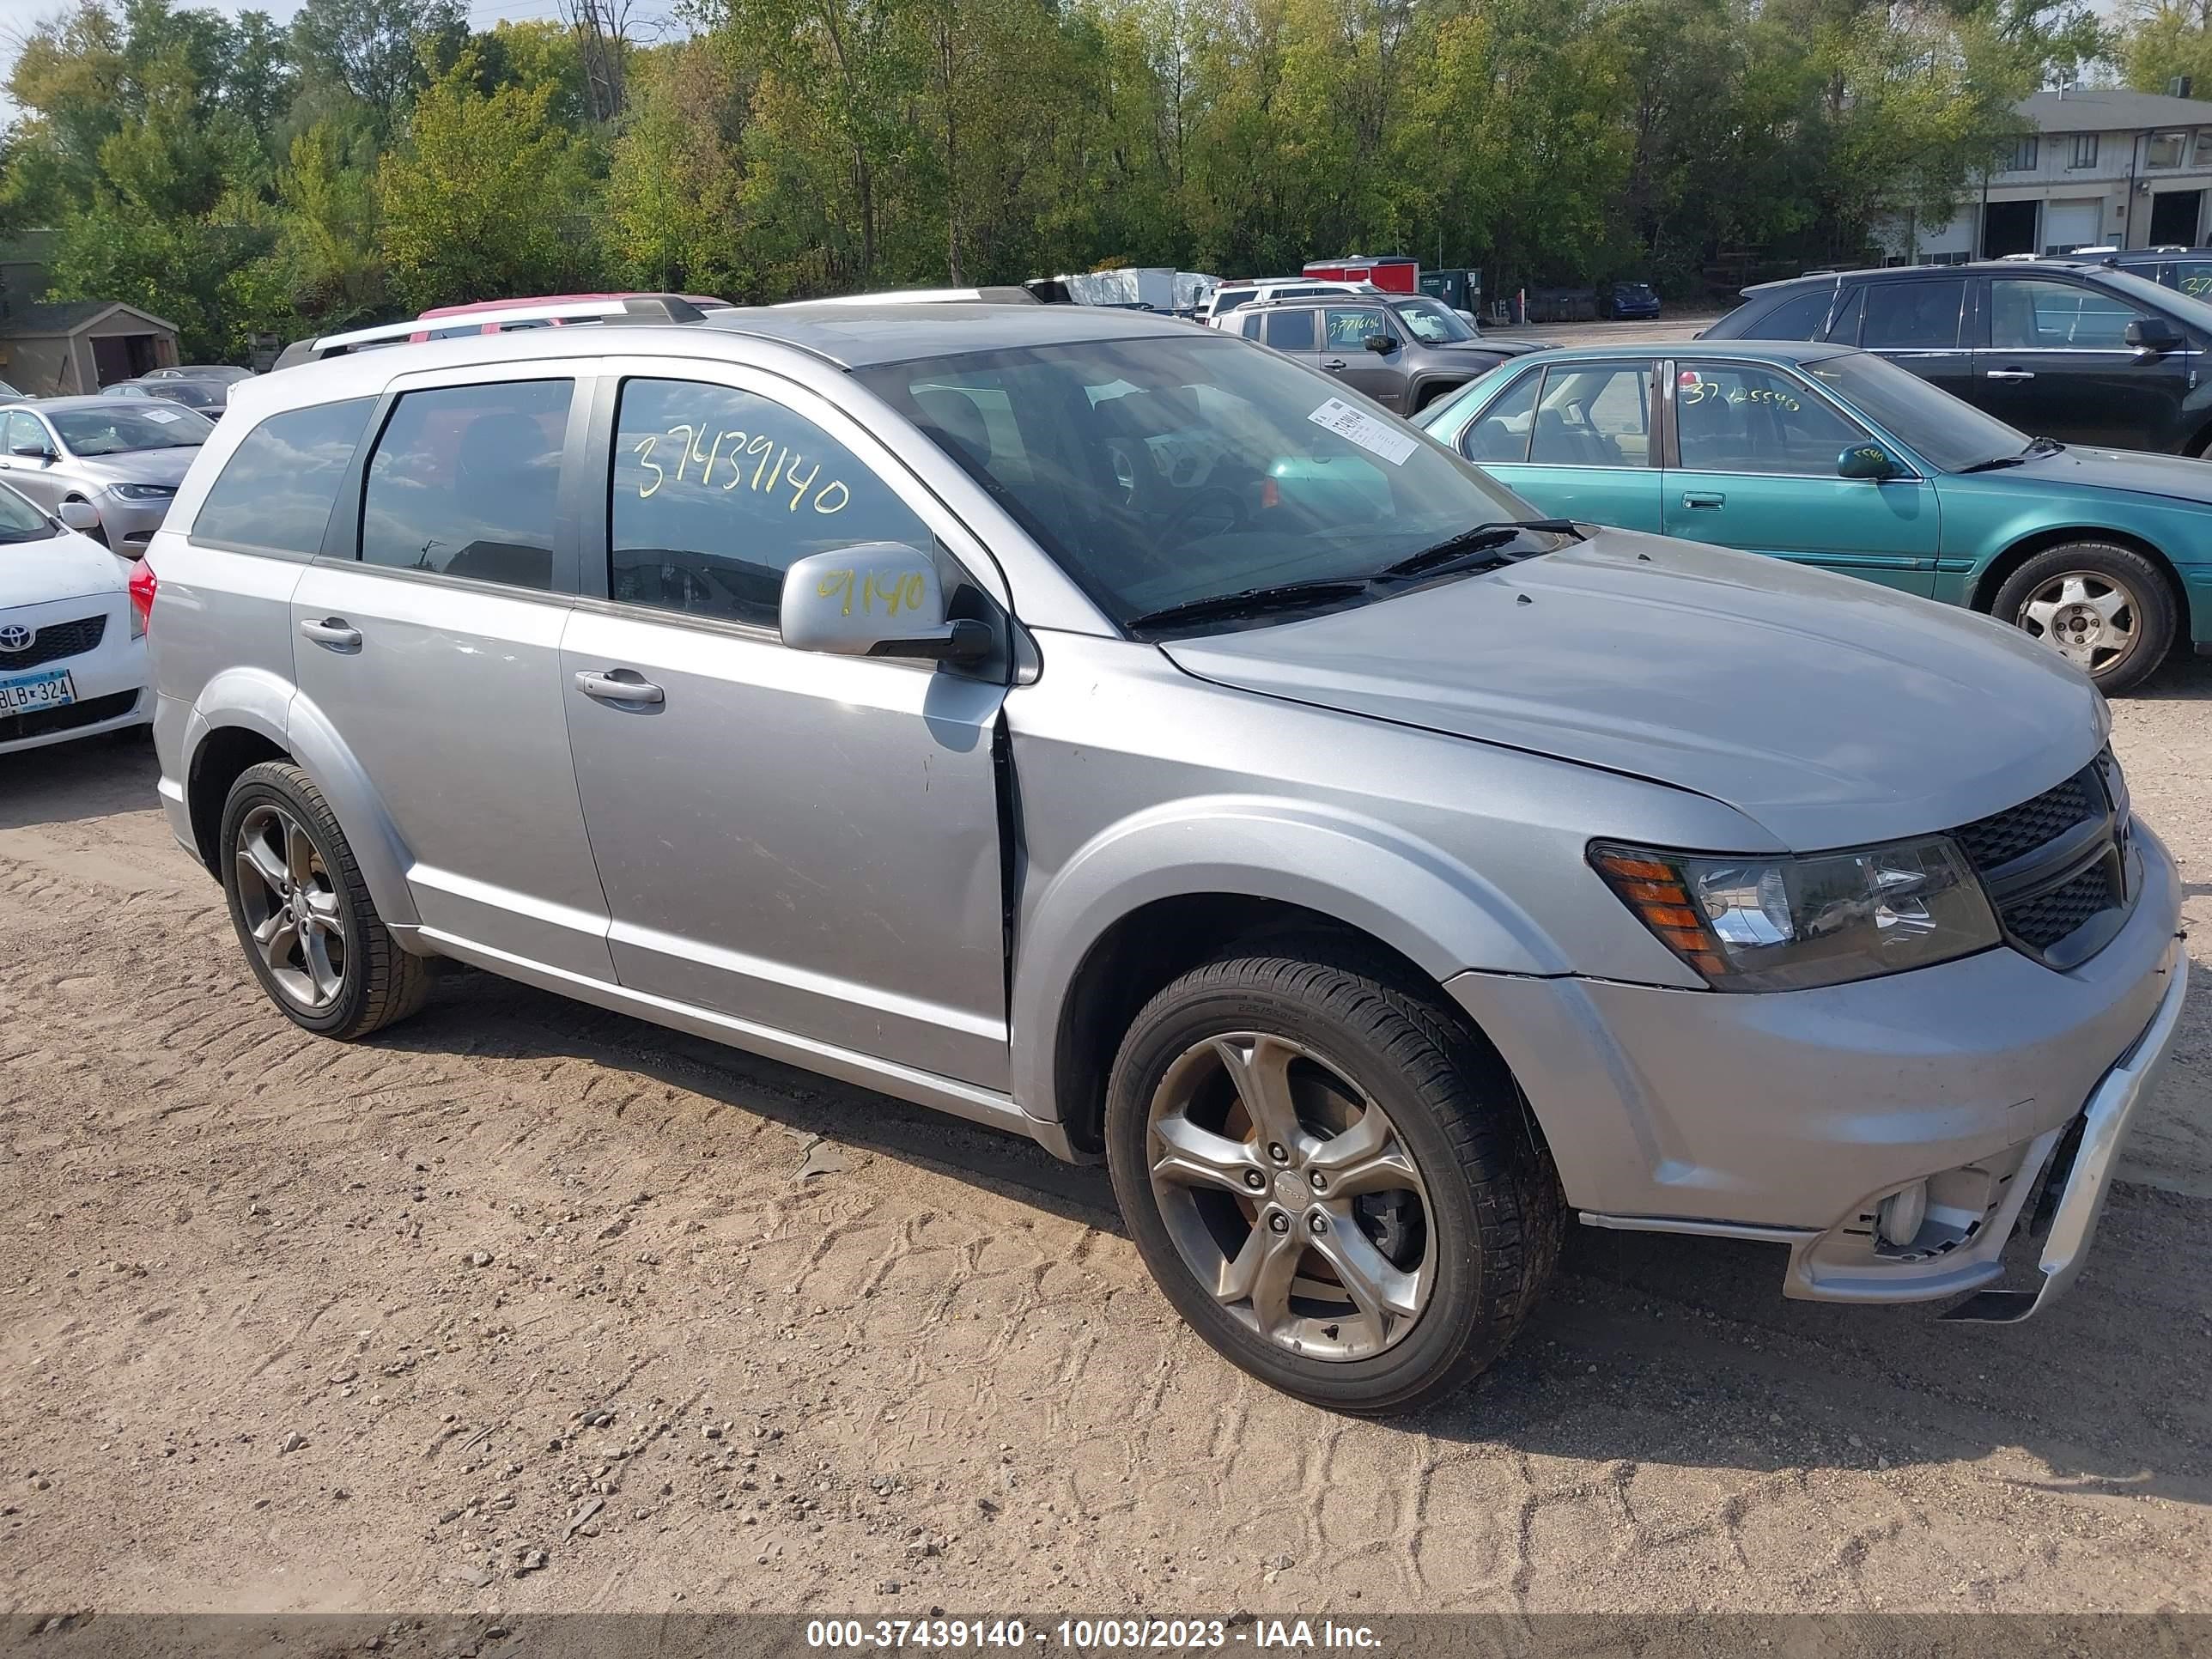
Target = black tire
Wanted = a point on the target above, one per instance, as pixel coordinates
(379, 982)
(2149, 603)
(1492, 1199)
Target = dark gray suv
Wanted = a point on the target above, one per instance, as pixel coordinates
(1405, 352)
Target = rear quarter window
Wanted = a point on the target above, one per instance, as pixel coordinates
(275, 492)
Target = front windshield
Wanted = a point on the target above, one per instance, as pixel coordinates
(20, 521)
(191, 393)
(1947, 433)
(1160, 471)
(122, 429)
(1432, 323)
(2156, 298)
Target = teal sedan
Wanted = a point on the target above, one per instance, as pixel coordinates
(1828, 456)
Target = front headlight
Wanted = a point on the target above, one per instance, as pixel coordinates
(140, 492)
(1790, 924)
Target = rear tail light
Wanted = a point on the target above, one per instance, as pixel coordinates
(143, 588)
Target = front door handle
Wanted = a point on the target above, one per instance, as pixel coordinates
(1334, 364)
(2007, 374)
(1704, 498)
(618, 685)
(333, 631)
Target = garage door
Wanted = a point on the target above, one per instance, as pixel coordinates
(2069, 225)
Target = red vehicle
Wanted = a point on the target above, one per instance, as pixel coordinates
(493, 325)
(1393, 273)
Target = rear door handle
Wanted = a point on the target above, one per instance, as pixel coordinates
(2007, 374)
(1704, 498)
(333, 631)
(618, 685)
(1334, 364)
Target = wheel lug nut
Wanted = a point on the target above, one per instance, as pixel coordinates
(1317, 1223)
(1254, 1180)
(1318, 1182)
(1276, 1151)
(1279, 1224)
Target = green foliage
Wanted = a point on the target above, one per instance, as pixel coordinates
(372, 155)
(489, 197)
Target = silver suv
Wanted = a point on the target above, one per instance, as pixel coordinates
(1097, 728)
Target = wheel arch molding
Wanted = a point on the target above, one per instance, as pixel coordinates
(1225, 869)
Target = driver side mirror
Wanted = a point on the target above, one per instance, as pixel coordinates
(2153, 336)
(875, 599)
(1380, 343)
(1869, 461)
(32, 452)
(79, 516)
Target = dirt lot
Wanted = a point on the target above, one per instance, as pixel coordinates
(287, 1325)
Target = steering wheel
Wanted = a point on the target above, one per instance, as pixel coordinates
(1208, 503)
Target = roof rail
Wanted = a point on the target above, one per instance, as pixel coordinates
(637, 308)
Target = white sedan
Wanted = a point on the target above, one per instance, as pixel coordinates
(72, 641)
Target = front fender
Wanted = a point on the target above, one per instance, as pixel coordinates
(1413, 896)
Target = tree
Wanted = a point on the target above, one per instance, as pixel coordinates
(675, 194)
(375, 48)
(489, 198)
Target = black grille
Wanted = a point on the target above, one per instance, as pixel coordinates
(2040, 923)
(2019, 851)
(54, 642)
(2002, 837)
(40, 722)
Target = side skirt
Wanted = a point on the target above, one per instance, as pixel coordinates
(962, 1100)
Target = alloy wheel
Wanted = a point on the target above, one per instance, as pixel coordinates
(1291, 1196)
(294, 918)
(2087, 617)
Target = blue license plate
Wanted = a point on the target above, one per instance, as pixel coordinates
(23, 693)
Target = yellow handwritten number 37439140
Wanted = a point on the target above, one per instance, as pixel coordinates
(778, 467)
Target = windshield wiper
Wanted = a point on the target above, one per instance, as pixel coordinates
(2035, 446)
(1481, 536)
(1253, 601)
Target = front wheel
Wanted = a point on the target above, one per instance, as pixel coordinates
(1330, 1179)
(2105, 608)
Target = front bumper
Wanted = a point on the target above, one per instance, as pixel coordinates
(130, 525)
(1790, 1117)
(2082, 1185)
(109, 679)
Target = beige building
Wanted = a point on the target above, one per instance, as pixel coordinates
(51, 349)
(2104, 167)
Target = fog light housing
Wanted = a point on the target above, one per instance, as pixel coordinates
(1898, 1217)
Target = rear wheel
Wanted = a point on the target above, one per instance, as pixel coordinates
(303, 914)
(1331, 1180)
(2105, 608)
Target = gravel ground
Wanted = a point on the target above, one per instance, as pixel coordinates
(523, 1306)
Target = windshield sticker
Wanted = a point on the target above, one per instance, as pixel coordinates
(164, 415)
(1357, 426)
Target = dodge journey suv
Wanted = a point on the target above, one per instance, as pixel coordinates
(1098, 727)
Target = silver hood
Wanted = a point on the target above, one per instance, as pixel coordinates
(1829, 710)
(147, 466)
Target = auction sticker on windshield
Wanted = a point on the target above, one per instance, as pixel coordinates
(164, 415)
(1357, 426)
(21, 693)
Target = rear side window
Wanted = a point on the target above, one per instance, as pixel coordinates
(1924, 315)
(1291, 330)
(1796, 319)
(2193, 277)
(464, 482)
(275, 492)
(717, 492)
